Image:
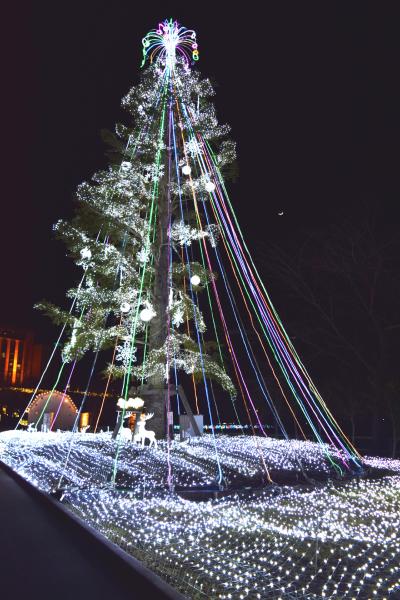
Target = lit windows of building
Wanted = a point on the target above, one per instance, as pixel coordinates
(20, 357)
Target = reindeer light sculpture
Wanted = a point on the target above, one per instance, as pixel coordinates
(125, 433)
(142, 433)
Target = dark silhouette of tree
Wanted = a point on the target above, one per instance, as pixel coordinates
(341, 290)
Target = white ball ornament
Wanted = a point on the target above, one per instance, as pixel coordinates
(146, 314)
(195, 280)
(125, 307)
(86, 253)
(210, 187)
(186, 170)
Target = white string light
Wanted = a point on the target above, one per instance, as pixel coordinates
(335, 541)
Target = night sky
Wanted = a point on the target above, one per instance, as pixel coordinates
(310, 90)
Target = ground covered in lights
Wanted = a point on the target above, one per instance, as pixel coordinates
(335, 539)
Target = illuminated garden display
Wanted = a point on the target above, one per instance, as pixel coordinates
(336, 540)
(170, 296)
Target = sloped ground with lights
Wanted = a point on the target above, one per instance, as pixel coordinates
(332, 540)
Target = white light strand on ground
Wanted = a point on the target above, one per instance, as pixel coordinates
(331, 541)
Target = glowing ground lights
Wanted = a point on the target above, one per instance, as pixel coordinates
(338, 541)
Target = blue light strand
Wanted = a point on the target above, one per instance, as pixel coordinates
(278, 344)
(220, 474)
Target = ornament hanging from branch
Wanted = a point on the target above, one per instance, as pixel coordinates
(210, 186)
(125, 307)
(86, 253)
(195, 280)
(147, 314)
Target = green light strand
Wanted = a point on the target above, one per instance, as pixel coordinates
(127, 375)
(275, 354)
(318, 397)
(277, 358)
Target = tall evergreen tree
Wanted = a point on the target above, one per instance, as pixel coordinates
(133, 230)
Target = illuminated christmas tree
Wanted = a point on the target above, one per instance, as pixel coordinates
(133, 231)
(155, 230)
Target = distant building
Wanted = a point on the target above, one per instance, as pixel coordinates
(20, 357)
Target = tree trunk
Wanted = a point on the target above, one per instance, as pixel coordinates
(155, 401)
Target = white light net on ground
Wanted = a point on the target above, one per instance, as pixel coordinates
(334, 540)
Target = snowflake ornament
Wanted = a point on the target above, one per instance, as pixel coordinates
(193, 148)
(184, 234)
(153, 172)
(178, 315)
(143, 255)
(126, 354)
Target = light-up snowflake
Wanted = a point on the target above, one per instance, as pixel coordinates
(178, 315)
(153, 172)
(193, 148)
(144, 254)
(184, 234)
(125, 354)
